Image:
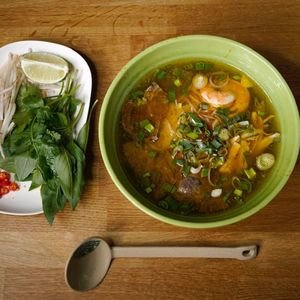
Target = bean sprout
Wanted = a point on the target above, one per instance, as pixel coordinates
(11, 78)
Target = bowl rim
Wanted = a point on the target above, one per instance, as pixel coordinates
(166, 219)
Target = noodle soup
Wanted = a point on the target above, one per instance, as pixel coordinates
(198, 137)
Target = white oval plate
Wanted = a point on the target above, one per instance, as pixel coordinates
(24, 202)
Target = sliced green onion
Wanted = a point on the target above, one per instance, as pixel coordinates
(224, 134)
(149, 128)
(226, 197)
(195, 120)
(163, 204)
(245, 185)
(171, 95)
(222, 111)
(261, 113)
(188, 67)
(172, 202)
(160, 74)
(140, 136)
(148, 190)
(144, 123)
(216, 143)
(265, 161)
(218, 161)
(147, 125)
(192, 135)
(176, 72)
(169, 188)
(179, 162)
(250, 173)
(177, 82)
(152, 153)
(137, 94)
(187, 129)
(203, 66)
(186, 145)
(204, 172)
(238, 192)
(186, 170)
(237, 77)
(183, 119)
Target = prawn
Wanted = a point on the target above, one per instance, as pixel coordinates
(233, 95)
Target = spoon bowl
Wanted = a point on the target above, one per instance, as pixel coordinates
(89, 263)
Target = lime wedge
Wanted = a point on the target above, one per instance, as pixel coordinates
(43, 67)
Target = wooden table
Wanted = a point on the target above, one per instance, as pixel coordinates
(109, 33)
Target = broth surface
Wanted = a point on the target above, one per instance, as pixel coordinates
(198, 137)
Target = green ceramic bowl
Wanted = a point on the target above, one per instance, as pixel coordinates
(202, 47)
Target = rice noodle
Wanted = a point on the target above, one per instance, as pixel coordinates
(268, 118)
(11, 78)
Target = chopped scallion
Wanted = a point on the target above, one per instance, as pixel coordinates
(203, 66)
(186, 145)
(140, 136)
(204, 172)
(169, 188)
(149, 128)
(195, 120)
(216, 144)
(250, 173)
(147, 125)
(163, 204)
(172, 203)
(245, 185)
(171, 95)
(148, 190)
(238, 192)
(265, 161)
(237, 77)
(192, 135)
(160, 74)
(177, 82)
(226, 197)
(179, 162)
(224, 134)
(186, 170)
(137, 94)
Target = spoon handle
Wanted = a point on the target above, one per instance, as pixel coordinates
(241, 253)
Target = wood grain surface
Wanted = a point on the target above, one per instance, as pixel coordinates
(108, 34)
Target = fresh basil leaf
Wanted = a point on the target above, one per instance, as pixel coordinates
(83, 135)
(78, 172)
(49, 199)
(63, 170)
(37, 180)
(43, 165)
(24, 166)
(8, 164)
(60, 199)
